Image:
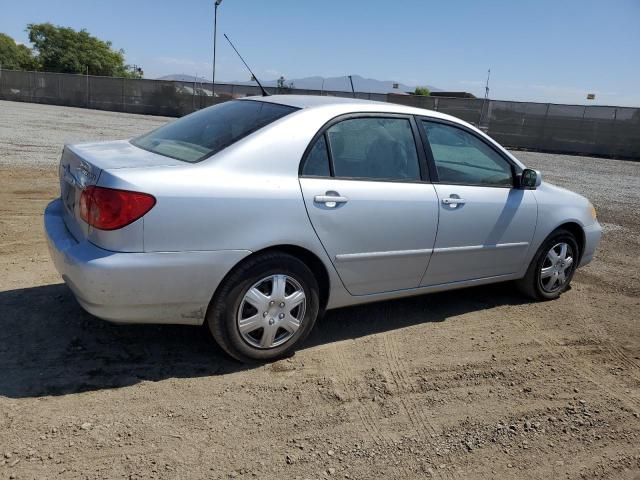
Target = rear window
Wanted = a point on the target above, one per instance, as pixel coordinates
(206, 132)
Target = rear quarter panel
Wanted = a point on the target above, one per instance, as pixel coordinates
(247, 197)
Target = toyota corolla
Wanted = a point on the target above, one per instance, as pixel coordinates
(254, 216)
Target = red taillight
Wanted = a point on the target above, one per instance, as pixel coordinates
(110, 209)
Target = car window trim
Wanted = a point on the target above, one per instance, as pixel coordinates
(433, 170)
(417, 140)
(329, 154)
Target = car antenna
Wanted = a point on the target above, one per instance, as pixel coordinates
(264, 92)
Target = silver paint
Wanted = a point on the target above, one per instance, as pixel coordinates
(377, 240)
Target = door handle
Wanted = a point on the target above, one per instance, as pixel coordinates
(330, 201)
(453, 201)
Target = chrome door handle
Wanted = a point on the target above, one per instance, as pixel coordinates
(330, 201)
(453, 201)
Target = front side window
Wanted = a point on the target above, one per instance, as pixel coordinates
(206, 132)
(462, 158)
(374, 148)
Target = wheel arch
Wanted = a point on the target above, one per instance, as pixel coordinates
(577, 231)
(309, 258)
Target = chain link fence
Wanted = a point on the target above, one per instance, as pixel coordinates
(590, 130)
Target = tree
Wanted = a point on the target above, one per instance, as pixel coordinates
(283, 87)
(14, 56)
(424, 91)
(65, 50)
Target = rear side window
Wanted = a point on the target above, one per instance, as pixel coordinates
(461, 158)
(317, 163)
(374, 148)
(206, 132)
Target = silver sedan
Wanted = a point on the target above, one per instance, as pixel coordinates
(256, 215)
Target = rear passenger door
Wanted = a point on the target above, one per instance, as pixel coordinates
(365, 189)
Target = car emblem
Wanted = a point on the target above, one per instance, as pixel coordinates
(85, 169)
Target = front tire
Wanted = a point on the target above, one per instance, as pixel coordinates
(265, 308)
(552, 267)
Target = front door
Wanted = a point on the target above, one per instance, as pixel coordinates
(364, 194)
(486, 225)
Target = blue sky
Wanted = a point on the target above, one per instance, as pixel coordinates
(543, 50)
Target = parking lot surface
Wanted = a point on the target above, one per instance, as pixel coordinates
(476, 383)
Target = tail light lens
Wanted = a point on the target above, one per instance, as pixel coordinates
(110, 209)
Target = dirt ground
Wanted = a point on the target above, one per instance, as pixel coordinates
(477, 383)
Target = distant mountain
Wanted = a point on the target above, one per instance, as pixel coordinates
(184, 78)
(340, 84)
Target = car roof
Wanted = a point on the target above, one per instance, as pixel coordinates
(308, 101)
(349, 104)
(341, 105)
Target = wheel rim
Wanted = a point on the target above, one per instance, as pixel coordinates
(271, 311)
(556, 268)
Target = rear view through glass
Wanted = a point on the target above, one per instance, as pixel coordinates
(206, 132)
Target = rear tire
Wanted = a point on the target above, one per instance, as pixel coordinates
(552, 268)
(265, 308)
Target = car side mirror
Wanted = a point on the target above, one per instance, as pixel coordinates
(530, 179)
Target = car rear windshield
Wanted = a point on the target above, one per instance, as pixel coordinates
(206, 132)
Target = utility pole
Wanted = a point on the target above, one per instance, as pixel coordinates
(486, 88)
(486, 97)
(215, 27)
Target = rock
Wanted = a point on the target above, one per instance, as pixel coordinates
(289, 459)
(529, 359)
(330, 453)
(7, 454)
(86, 426)
(340, 395)
(331, 471)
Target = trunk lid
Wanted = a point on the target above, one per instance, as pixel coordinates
(81, 166)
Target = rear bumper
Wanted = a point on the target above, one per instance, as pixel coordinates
(151, 287)
(592, 235)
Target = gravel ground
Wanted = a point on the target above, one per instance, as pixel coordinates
(470, 384)
(33, 134)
